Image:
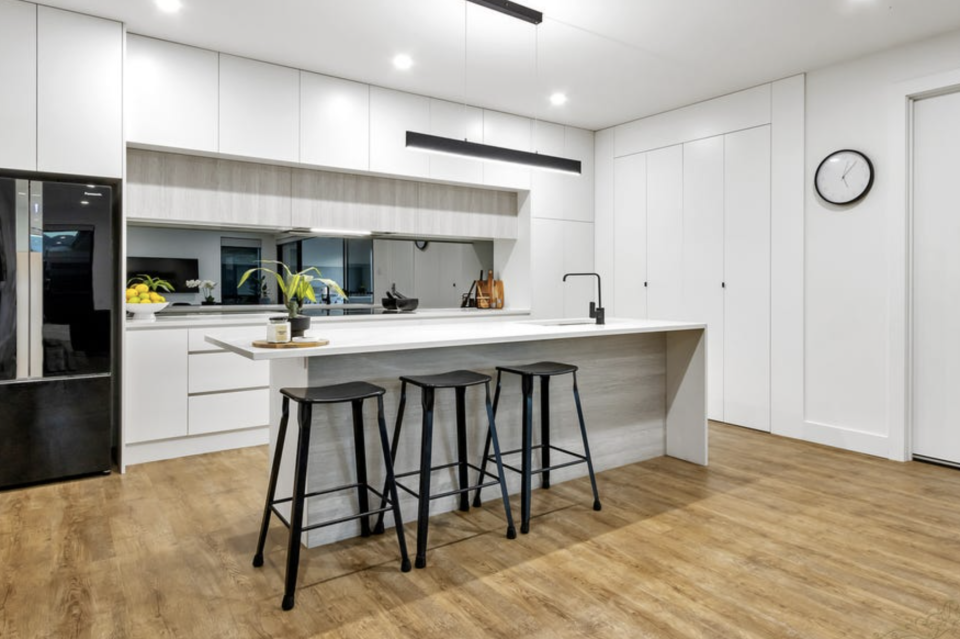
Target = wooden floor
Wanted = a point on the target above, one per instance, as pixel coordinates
(777, 538)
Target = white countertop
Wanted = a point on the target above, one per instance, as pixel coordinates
(346, 339)
(211, 319)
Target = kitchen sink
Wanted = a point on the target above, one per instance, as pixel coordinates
(564, 322)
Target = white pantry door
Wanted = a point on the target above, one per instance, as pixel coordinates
(746, 330)
(936, 278)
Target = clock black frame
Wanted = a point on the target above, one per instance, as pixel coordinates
(862, 194)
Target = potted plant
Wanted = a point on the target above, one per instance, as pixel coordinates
(296, 289)
(207, 286)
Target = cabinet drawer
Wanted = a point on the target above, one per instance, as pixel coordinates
(229, 411)
(200, 345)
(210, 372)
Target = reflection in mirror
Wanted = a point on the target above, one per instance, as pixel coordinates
(237, 256)
(438, 275)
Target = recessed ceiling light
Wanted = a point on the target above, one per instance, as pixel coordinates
(402, 61)
(558, 99)
(169, 6)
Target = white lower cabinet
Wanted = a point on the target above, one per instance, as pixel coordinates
(223, 371)
(155, 398)
(218, 412)
(184, 396)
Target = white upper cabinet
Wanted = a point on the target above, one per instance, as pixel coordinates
(334, 122)
(171, 95)
(512, 132)
(460, 122)
(549, 192)
(18, 77)
(392, 114)
(79, 94)
(560, 195)
(259, 110)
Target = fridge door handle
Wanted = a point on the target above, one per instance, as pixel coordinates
(22, 242)
(36, 279)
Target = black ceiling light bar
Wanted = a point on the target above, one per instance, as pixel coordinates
(463, 148)
(512, 9)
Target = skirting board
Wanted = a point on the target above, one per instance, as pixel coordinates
(195, 445)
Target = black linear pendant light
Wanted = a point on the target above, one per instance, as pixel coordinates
(512, 9)
(488, 152)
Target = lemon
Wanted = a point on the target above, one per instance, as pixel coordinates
(142, 288)
(131, 293)
(161, 299)
(154, 296)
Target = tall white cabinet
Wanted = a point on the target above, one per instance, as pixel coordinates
(692, 241)
(746, 271)
(630, 236)
(703, 284)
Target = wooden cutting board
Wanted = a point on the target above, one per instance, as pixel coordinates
(312, 344)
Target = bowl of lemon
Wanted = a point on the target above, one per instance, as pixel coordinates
(144, 299)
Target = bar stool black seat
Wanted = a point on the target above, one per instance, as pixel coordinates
(543, 370)
(355, 393)
(459, 381)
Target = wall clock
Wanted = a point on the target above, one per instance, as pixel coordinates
(844, 177)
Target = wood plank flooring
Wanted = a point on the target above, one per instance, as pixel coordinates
(777, 538)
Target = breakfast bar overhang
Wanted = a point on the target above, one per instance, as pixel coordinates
(642, 382)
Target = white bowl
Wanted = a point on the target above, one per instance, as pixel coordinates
(145, 312)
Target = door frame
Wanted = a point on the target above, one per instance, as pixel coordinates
(900, 217)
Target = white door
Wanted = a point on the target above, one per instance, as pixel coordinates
(746, 331)
(703, 255)
(630, 236)
(665, 233)
(936, 278)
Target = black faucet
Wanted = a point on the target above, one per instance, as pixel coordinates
(596, 310)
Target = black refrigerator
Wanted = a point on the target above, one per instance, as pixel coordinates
(58, 296)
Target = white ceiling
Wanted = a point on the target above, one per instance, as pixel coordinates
(617, 60)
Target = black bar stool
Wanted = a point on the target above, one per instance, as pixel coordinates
(543, 370)
(355, 393)
(428, 384)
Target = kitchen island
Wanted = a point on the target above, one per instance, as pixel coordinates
(643, 385)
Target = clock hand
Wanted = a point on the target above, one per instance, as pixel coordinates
(847, 170)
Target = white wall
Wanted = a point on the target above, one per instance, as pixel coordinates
(854, 264)
(838, 317)
(145, 241)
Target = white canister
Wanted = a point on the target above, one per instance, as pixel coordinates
(278, 330)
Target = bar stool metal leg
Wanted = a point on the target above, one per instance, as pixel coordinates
(586, 446)
(305, 414)
(544, 430)
(526, 453)
(462, 468)
(391, 489)
(486, 446)
(378, 529)
(360, 456)
(492, 425)
(272, 486)
(426, 463)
